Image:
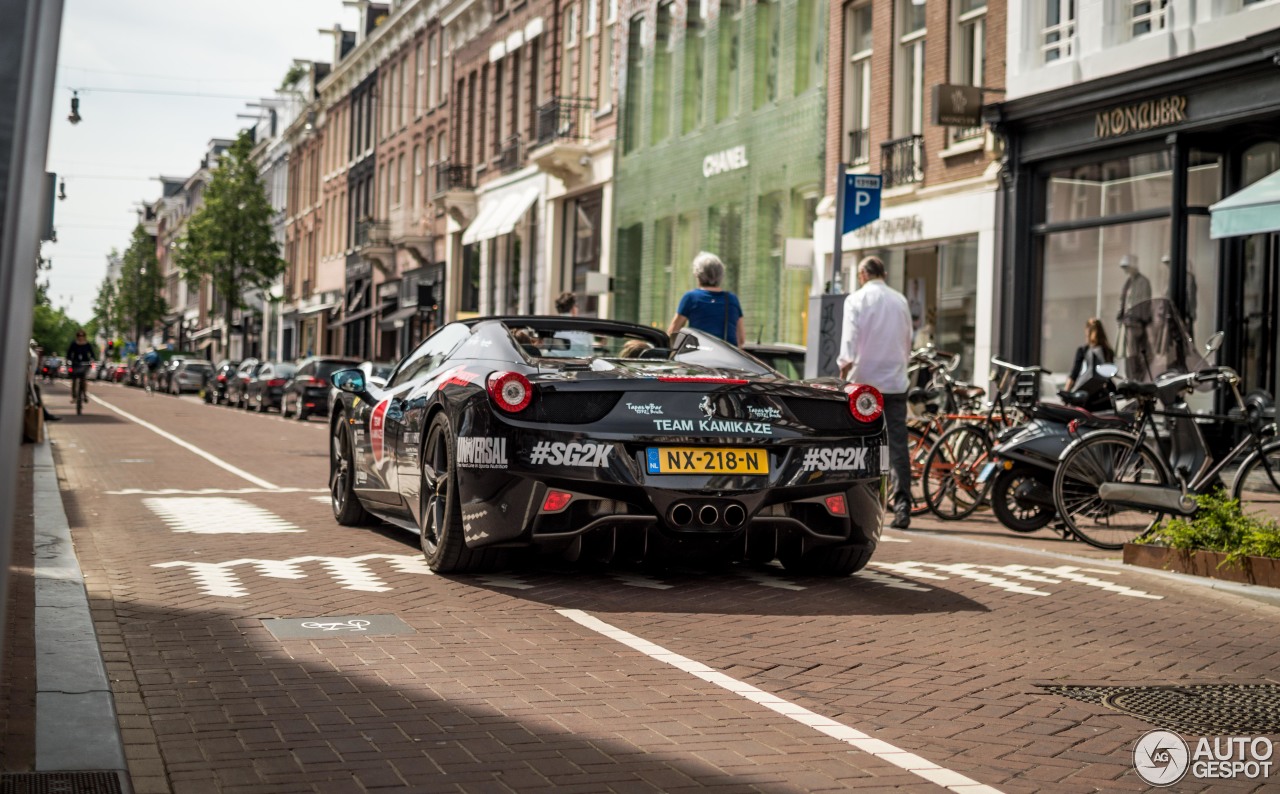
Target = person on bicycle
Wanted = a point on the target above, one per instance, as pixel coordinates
(79, 356)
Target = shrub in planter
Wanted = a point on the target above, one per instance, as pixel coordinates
(1219, 525)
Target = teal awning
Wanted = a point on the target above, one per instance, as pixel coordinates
(1253, 210)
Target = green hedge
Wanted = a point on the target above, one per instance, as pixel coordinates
(1219, 525)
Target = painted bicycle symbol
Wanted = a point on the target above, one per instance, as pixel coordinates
(355, 624)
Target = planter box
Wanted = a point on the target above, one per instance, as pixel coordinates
(1250, 570)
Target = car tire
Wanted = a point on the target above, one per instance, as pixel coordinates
(442, 540)
(347, 509)
(825, 560)
(300, 413)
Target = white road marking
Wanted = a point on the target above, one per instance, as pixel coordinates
(351, 573)
(889, 580)
(209, 491)
(322, 499)
(217, 515)
(1006, 577)
(900, 758)
(637, 580)
(762, 578)
(215, 460)
(509, 582)
(892, 539)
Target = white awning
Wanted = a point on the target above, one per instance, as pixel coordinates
(500, 215)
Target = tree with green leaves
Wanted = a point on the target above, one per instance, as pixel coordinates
(230, 240)
(105, 309)
(139, 299)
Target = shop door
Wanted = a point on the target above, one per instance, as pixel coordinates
(920, 285)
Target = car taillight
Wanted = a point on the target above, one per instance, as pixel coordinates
(222, 378)
(556, 501)
(836, 505)
(314, 381)
(276, 382)
(865, 402)
(511, 391)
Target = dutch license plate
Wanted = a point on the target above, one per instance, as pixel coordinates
(706, 460)
(987, 470)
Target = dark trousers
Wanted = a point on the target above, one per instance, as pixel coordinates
(895, 420)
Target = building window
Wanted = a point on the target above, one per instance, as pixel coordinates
(811, 40)
(1146, 16)
(587, 54)
(768, 44)
(663, 76)
(445, 71)
(568, 46)
(970, 55)
(1058, 38)
(630, 256)
(604, 100)
(419, 81)
(908, 118)
(635, 84)
(403, 106)
(433, 64)
(400, 180)
(856, 139)
(729, 60)
(695, 29)
(582, 234)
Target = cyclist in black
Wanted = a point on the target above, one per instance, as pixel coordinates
(79, 355)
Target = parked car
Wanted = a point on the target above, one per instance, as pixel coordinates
(119, 372)
(165, 373)
(264, 389)
(237, 382)
(307, 392)
(787, 359)
(216, 391)
(49, 367)
(190, 375)
(694, 449)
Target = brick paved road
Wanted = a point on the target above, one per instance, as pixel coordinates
(936, 649)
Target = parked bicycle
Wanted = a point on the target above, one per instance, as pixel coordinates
(935, 402)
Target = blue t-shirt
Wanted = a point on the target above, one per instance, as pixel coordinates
(706, 311)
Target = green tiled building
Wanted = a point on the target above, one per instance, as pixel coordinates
(721, 149)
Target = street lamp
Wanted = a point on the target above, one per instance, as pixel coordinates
(74, 116)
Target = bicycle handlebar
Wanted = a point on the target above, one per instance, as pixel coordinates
(1015, 367)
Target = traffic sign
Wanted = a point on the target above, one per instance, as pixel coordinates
(861, 200)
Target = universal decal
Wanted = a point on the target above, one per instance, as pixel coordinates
(476, 452)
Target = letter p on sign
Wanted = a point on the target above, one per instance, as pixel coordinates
(861, 200)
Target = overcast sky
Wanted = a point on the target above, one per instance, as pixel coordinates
(229, 48)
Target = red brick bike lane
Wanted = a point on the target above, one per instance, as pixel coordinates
(937, 649)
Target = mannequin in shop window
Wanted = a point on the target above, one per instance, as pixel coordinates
(1134, 318)
(1167, 261)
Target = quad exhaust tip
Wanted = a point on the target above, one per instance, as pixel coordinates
(681, 514)
(734, 515)
(708, 515)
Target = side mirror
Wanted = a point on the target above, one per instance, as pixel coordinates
(349, 380)
(1106, 370)
(1213, 344)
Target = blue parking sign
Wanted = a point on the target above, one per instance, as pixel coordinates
(861, 200)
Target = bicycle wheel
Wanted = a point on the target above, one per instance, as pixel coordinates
(951, 471)
(1257, 483)
(1105, 458)
(78, 385)
(919, 442)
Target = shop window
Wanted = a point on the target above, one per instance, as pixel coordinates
(688, 243)
(1058, 34)
(581, 254)
(724, 226)
(908, 117)
(768, 44)
(1085, 279)
(811, 40)
(469, 301)
(954, 316)
(1204, 178)
(762, 290)
(635, 85)
(1112, 187)
(663, 76)
(1146, 16)
(729, 60)
(630, 257)
(1259, 160)
(661, 302)
(856, 139)
(695, 29)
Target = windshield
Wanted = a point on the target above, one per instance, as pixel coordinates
(326, 368)
(1154, 341)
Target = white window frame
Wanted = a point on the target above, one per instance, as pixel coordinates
(858, 90)
(1062, 48)
(908, 116)
(1154, 13)
(604, 100)
(970, 35)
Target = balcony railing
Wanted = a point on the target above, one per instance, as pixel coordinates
(902, 160)
(453, 176)
(564, 118)
(509, 155)
(371, 232)
(859, 152)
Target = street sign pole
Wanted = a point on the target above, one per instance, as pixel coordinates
(839, 233)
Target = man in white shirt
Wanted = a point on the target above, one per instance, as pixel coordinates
(875, 346)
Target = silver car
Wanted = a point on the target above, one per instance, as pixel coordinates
(190, 375)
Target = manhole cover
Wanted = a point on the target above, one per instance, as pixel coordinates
(60, 783)
(1205, 709)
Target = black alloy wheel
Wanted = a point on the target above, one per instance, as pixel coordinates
(347, 509)
(443, 543)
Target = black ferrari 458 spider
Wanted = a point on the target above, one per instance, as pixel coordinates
(607, 440)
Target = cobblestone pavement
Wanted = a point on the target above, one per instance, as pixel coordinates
(920, 673)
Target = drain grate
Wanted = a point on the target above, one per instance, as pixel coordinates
(60, 783)
(1203, 709)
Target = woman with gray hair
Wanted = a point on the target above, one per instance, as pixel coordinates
(709, 308)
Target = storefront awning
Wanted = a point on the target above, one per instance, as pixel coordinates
(500, 216)
(1254, 210)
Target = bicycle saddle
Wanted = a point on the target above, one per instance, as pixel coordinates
(1131, 388)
